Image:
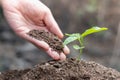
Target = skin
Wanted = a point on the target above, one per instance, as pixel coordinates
(25, 15)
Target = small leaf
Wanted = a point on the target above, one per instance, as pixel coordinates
(77, 47)
(93, 30)
(73, 35)
(68, 34)
(71, 38)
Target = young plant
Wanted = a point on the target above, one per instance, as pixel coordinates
(80, 38)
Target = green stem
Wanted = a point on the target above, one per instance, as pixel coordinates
(81, 45)
(79, 56)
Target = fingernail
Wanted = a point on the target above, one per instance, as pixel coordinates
(62, 56)
(53, 54)
(66, 50)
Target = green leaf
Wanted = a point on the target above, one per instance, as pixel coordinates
(73, 35)
(68, 34)
(71, 38)
(93, 30)
(77, 47)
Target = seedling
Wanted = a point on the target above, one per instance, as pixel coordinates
(80, 38)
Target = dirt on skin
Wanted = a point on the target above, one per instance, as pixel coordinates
(54, 42)
(70, 69)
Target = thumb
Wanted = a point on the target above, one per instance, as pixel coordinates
(52, 25)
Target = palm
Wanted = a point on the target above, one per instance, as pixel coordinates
(26, 17)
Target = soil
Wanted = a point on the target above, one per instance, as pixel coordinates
(13, 74)
(70, 69)
(54, 42)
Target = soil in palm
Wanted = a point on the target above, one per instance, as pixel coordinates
(53, 41)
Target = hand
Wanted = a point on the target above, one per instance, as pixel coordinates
(25, 15)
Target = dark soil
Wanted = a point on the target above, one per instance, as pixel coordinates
(71, 69)
(54, 42)
(13, 74)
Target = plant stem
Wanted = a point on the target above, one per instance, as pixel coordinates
(79, 56)
(81, 45)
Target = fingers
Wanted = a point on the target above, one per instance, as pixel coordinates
(53, 54)
(58, 56)
(62, 56)
(52, 25)
(41, 44)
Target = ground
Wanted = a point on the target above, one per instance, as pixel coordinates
(70, 69)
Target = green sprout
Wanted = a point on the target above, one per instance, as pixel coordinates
(80, 38)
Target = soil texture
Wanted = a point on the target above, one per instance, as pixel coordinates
(53, 41)
(70, 69)
(13, 74)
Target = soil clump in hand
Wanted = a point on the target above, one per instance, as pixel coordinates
(51, 39)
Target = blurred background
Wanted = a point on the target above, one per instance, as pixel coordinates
(72, 16)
